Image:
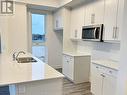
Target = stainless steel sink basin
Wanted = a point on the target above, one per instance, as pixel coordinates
(25, 60)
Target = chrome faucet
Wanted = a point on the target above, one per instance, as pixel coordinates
(19, 53)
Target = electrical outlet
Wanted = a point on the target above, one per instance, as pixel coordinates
(21, 89)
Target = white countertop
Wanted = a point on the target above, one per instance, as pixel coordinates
(76, 54)
(12, 72)
(107, 63)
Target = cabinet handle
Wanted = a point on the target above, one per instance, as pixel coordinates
(110, 72)
(97, 67)
(102, 75)
(56, 23)
(117, 32)
(114, 29)
(67, 61)
(92, 18)
(76, 31)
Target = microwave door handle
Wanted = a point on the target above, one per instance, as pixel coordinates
(95, 32)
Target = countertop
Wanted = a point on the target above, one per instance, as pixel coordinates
(76, 54)
(107, 63)
(12, 72)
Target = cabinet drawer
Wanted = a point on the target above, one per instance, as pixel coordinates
(99, 68)
(65, 58)
(71, 59)
(111, 72)
(68, 58)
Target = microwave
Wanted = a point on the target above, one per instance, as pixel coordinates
(93, 32)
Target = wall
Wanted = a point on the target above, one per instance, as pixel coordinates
(17, 29)
(100, 50)
(122, 77)
(53, 43)
(4, 32)
(14, 30)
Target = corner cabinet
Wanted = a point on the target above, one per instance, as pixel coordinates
(103, 80)
(76, 68)
(58, 19)
(111, 26)
(77, 21)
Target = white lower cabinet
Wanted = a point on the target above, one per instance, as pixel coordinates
(103, 80)
(109, 85)
(76, 68)
(96, 80)
(68, 66)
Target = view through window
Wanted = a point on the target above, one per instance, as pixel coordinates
(38, 36)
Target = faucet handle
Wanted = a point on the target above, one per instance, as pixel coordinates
(14, 56)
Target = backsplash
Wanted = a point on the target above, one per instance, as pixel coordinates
(100, 50)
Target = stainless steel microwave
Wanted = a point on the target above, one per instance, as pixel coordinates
(93, 32)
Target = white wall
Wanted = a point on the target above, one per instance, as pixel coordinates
(122, 77)
(13, 30)
(4, 32)
(100, 50)
(53, 43)
(17, 29)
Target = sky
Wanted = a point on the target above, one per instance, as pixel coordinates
(38, 24)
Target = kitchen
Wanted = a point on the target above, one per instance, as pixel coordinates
(66, 34)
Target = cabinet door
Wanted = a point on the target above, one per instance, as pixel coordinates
(58, 23)
(89, 14)
(65, 65)
(99, 11)
(55, 21)
(71, 68)
(68, 66)
(96, 80)
(109, 85)
(77, 21)
(110, 19)
(94, 13)
(119, 19)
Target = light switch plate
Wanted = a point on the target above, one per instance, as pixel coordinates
(21, 89)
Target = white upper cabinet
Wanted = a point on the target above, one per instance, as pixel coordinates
(94, 12)
(58, 20)
(77, 21)
(89, 14)
(99, 11)
(110, 20)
